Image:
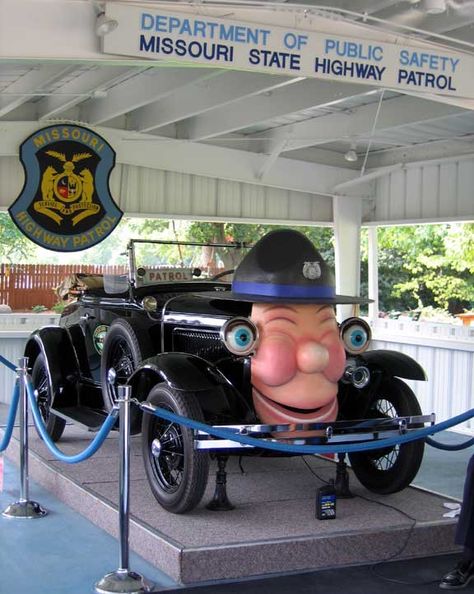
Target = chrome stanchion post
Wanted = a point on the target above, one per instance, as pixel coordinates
(24, 508)
(123, 580)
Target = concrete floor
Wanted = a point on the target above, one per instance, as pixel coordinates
(66, 553)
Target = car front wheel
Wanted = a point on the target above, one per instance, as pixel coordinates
(390, 469)
(177, 473)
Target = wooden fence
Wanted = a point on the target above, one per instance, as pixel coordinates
(22, 286)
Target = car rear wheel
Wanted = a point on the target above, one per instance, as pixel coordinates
(177, 473)
(123, 350)
(44, 397)
(392, 469)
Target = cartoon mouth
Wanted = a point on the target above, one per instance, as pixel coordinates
(277, 412)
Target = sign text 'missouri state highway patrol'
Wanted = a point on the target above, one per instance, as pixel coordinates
(157, 34)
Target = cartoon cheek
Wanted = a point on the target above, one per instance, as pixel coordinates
(275, 361)
(337, 361)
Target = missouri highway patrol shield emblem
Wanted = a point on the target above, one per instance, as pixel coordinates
(65, 204)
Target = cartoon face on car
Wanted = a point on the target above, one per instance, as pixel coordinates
(298, 363)
(300, 356)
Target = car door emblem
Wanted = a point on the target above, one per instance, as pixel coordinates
(98, 337)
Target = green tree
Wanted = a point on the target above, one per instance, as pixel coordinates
(426, 265)
(229, 258)
(14, 246)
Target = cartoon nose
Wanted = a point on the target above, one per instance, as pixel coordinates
(275, 361)
(312, 357)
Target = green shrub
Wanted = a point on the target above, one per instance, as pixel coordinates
(39, 308)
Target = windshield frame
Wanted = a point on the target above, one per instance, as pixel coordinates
(131, 252)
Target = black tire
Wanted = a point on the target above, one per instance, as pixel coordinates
(177, 473)
(123, 350)
(44, 397)
(391, 469)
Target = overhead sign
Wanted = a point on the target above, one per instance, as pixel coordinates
(65, 204)
(161, 35)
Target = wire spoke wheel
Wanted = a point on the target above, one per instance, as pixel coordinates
(169, 464)
(177, 472)
(43, 393)
(44, 397)
(122, 361)
(390, 469)
(124, 349)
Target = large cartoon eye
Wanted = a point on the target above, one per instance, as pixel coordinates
(240, 336)
(356, 335)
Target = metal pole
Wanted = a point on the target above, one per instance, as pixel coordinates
(24, 479)
(24, 508)
(123, 580)
(124, 393)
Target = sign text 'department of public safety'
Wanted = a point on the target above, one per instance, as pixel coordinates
(224, 43)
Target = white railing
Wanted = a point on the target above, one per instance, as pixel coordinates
(446, 352)
(14, 331)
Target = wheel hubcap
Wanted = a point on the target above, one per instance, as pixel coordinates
(167, 453)
(156, 448)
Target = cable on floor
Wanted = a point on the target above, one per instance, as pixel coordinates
(374, 565)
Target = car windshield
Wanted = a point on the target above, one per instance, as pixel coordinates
(153, 262)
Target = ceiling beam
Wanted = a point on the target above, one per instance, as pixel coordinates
(204, 95)
(230, 164)
(30, 84)
(202, 159)
(427, 151)
(302, 95)
(79, 89)
(395, 113)
(146, 87)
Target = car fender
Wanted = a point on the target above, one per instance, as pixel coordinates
(187, 373)
(61, 362)
(394, 363)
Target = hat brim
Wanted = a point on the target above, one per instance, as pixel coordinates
(245, 297)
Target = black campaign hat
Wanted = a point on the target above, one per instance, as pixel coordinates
(284, 266)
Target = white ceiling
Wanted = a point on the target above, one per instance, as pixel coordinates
(266, 122)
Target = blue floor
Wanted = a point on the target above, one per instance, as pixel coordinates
(64, 553)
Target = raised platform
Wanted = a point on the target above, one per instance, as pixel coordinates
(273, 528)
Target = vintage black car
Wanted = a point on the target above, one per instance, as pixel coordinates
(152, 329)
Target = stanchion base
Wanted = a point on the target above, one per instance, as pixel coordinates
(123, 582)
(26, 510)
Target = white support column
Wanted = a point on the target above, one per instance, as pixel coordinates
(347, 224)
(373, 274)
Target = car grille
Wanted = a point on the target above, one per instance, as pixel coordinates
(205, 344)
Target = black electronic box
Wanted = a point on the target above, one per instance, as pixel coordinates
(326, 502)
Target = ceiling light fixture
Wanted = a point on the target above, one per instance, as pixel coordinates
(104, 24)
(435, 6)
(351, 154)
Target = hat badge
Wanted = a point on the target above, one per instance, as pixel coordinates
(311, 270)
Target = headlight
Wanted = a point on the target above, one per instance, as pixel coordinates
(240, 336)
(355, 334)
(150, 303)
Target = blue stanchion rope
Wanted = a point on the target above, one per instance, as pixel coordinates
(450, 447)
(8, 363)
(11, 418)
(311, 449)
(226, 433)
(91, 448)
